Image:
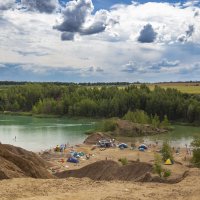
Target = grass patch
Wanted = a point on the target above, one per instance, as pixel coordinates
(123, 161)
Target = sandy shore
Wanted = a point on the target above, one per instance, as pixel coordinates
(86, 189)
(55, 158)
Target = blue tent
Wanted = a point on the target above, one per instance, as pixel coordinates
(72, 160)
(141, 149)
(143, 146)
(123, 145)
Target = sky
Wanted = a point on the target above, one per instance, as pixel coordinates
(99, 40)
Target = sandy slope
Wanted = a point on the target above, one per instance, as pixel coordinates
(86, 189)
(32, 189)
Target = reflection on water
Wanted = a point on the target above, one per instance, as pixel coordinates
(42, 133)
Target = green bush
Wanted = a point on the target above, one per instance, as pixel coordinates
(165, 123)
(166, 152)
(124, 161)
(158, 165)
(166, 173)
(155, 121)
(139, 116)
(108, 125)
(196, 152)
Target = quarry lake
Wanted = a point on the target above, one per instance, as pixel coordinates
(37, 134)
(42, 133)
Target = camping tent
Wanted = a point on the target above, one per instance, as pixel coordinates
(72, 160)
(168, 162)
(143, 146)
(123, 145)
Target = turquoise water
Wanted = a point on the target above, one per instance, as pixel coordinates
(37, 134)
(178, 137)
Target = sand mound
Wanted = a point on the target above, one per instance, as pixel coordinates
(110, 170)
(16, 162)
(95, 137)
(130, 129)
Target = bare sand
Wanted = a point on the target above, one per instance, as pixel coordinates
(86, 189)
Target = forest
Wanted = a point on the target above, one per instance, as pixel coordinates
(104, 102)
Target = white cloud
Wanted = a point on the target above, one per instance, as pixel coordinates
(28, 38)
(43, 6)
(78, 19)
(6, 4)
(147, 34)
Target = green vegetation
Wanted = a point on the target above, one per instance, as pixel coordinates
(158, 165)
(107, 102)
(166, 152)
(196, 152)
(158, 169)
(165, 123)
(166, 173)
(108, 125)
(141, 117)
(124, 161)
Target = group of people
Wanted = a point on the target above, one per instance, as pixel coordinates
(61, 148)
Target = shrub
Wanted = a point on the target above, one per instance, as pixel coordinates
(108, 125)
(166, 173)
(196, 152)
(124, 161)
(166, 152)
(165, 123)
(155, 121)
(139, 116)
(158, 165)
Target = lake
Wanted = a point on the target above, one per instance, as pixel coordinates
(37, 134)
(42, 133)
(178, 137)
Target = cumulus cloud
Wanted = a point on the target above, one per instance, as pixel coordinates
(28, 37)
(187, 35)
(67, 36)
(196, 14)
(75, 15)
(43, 6)
(164, 63)
(78, 19)
(130, 67)
(98, 23)
(146, 67)
(147, 34)
(190, 69)
(6, 4)
(190, 31)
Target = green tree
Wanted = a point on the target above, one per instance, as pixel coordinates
(165, 123)
(166, 152)
(155, 121)
(196, 152)
(158, 165)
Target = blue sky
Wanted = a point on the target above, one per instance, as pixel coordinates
(99, 40)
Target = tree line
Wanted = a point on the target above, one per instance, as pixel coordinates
(112, 101)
